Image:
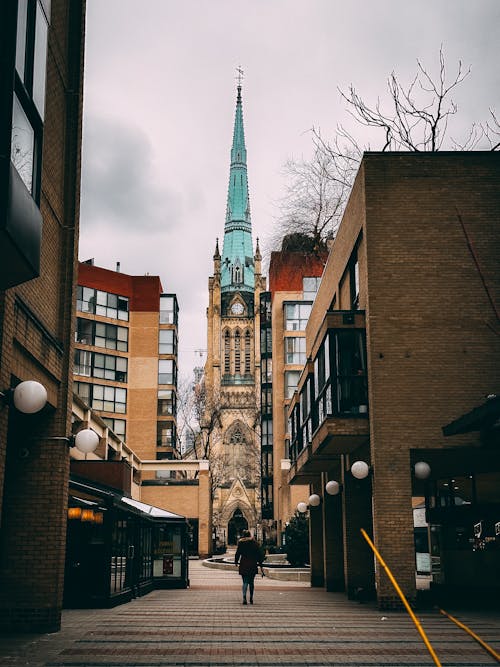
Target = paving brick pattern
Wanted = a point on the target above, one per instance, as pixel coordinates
(289, 625)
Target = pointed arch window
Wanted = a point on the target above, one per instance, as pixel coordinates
(227, 353)
(248, 358)
(237, 352)
(237, 274)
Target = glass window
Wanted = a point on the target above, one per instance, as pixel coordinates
(167, 310)
(296, 316)
(266, 341)
(23, 145)
(166, 341)
(166, 371)
(165, 433)
(83, 363)
(84, 331)
(291, 382)
(166, 402)
(109, 399)
(266, 368)
(267, 432)
(29, 93)
(310, 286)
(22, 19)
(83, 391)
(295, 350)
(118, 426)
(40, 60)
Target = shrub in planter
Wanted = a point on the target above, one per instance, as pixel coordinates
(297, 540)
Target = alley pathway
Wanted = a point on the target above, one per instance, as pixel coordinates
(290, 625)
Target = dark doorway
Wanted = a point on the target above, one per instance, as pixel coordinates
(237, 524)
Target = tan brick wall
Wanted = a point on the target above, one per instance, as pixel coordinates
(432, 349)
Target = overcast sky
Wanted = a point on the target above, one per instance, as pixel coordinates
(160, 94)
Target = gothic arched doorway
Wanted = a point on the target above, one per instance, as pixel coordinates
(237, 524)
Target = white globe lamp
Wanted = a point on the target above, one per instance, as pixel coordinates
(314, 500)
(30, 397)
(302, 507)
(422, 470)
(360, 469)
(332, 487)
(86, 441)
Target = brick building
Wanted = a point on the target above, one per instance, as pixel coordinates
(41, 47)
(126, 357)
(294, 277)
(403, 344)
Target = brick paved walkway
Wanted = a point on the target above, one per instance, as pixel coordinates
(290, 625)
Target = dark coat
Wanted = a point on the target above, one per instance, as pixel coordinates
(249, 556)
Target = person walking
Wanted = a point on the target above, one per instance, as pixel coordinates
(249, 557)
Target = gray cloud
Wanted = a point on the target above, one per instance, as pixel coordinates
(121, 188)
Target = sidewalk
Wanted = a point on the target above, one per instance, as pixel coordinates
(290, 625)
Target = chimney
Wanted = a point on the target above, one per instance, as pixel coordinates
(117, 267)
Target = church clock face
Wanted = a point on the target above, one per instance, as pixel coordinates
(237, 309)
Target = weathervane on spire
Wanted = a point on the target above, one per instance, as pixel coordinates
(240, 75)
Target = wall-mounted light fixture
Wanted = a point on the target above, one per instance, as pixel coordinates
(314, 500)
(360, 469)
(332, 488)
(85, 441)
(28, 397)
(422, 470)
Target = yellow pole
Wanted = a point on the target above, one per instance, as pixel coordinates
(486, 646)
(403, 599)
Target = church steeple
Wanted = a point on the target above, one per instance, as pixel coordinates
(237, 270)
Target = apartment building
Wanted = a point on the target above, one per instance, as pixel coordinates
(125, 360)
(294, 277)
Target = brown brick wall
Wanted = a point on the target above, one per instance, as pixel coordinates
(34, 479)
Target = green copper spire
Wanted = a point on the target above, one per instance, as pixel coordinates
(237, 270)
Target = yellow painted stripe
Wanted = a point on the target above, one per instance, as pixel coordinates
(486, 646)
(403, 599)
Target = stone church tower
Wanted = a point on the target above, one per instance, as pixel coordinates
(232, 370)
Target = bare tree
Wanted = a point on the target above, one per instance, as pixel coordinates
(418, 115)
(314, 200)
(415, 118)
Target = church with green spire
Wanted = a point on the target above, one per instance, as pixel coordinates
(232, 369)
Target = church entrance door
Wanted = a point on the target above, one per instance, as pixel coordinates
(237, 524)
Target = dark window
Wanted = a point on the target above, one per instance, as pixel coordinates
(29, 92)
(248, 357)
(227, 353)
(237, 352)
(99, 397)
(98, 365)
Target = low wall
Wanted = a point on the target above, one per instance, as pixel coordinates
(280, 573)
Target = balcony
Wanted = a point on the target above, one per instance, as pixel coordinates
(329, 415)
